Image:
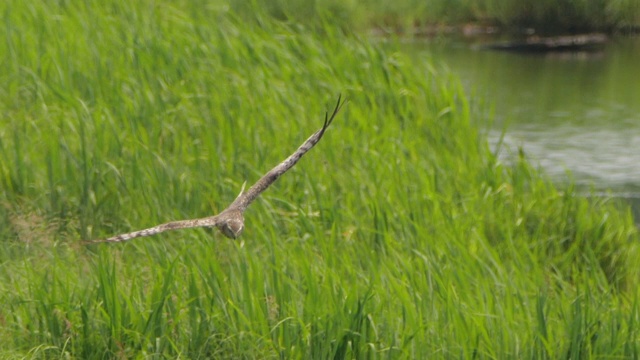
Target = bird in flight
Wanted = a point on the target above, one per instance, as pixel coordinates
(231, 220)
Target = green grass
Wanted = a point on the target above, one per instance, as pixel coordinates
(400, 235)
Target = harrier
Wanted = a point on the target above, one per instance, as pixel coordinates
(231, 220)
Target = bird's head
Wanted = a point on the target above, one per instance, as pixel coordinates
(232, 227)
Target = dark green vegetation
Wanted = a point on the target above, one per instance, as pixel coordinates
(546, 16)
(399, 236)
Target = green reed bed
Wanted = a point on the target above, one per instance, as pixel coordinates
(400, 236)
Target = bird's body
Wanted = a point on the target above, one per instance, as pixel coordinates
(231, 220)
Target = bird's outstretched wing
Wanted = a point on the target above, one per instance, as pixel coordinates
(210, 221)
(230, 221)
(245, 199)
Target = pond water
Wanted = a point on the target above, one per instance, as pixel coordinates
(570, 111)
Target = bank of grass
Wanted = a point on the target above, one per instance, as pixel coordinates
(400, 236)
(407, 16)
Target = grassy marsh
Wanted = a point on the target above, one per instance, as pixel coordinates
(400, 235)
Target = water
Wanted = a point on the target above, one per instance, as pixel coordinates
(569, 112)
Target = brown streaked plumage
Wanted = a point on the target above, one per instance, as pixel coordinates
(231, 221)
